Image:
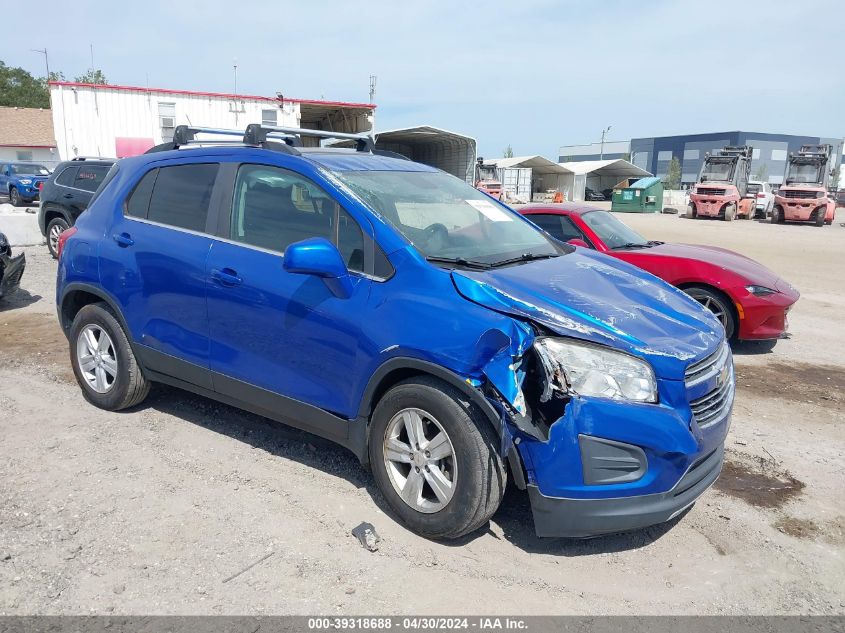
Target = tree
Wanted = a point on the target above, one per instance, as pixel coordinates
(762, 173)
(20, 89)
(508, 153)
(92, 76)
(673, 176)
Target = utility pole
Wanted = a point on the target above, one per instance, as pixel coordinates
(46, 60)
(372, 87)
(92, 57)
(235, 67)
(603, 132)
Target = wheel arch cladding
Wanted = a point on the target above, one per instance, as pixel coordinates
(77, 296)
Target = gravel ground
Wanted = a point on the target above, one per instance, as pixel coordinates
(158, 510)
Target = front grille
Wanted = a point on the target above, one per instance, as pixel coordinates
(707, 368)
(799, 194)
(709, 191)
(718, 368)
(710, 409)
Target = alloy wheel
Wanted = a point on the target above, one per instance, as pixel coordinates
(420, 460)
(55, 231)
(95, 353)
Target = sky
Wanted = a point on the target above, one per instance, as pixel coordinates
(532, 74)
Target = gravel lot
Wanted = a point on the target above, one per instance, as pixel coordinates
(155, 510)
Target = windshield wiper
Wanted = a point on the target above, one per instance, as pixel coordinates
(458, 261)
(525, 257)
(634, 245)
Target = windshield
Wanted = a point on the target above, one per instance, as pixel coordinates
(443, 217)
(22, 169)
(754, 188)
(613, 232)
(803, 173)
(720, 172)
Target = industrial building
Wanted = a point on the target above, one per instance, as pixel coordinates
(655, 153)
(119, 121)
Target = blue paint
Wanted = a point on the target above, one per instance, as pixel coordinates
(302, 326)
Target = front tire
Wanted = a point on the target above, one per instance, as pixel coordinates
(103, 362)
(434, 457)
(14, 197)
(777, 216)
(820, 213)
(718, 304)
(54, 229)
(729, 214)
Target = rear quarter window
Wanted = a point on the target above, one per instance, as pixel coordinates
(67, 176)
(181, 195)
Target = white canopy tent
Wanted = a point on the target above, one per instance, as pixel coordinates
(600, 174)
(544, 175)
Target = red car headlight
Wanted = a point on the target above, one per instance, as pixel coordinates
(760, 291)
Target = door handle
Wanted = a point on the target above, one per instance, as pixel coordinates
(68, 195)
(226, 277)
(123, 239)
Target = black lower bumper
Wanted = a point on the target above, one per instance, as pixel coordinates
(11, 271)
(582, 518)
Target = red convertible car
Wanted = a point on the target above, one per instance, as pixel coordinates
(749, 299)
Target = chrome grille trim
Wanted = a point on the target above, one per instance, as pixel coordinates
(711, 408)
(707, 368)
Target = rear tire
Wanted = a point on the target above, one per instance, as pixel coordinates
(718, 304)
(473, 472)
(105, 368)
(54, 229)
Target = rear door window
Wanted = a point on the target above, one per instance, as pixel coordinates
(181, 195)
(89, 178)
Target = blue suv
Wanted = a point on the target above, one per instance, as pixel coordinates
(440, 336)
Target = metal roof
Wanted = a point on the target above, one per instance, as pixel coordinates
(611, 167)
(452, 152)
(537, 163)
(218, 95)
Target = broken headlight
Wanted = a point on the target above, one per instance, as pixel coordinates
(593, 370)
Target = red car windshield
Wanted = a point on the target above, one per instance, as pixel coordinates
(613, 232)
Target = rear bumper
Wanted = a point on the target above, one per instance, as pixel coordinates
(10, 277)
(581, 518)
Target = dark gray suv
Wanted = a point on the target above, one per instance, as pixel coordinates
(67, 193)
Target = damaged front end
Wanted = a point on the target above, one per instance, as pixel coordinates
(605, 441)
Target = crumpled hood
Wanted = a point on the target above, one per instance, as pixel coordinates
(594, 297)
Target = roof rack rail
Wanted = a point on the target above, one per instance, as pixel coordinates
(81, 158)
(256, 133)
(266, 136)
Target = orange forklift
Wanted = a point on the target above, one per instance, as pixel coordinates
(722, 187)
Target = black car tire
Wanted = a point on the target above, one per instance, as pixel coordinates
(481, 475)
(777, 216)
(55, 223)
(718, 304)
(14, 197)
(130, 387)
(820, 213)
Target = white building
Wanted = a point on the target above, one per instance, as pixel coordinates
(119, 121)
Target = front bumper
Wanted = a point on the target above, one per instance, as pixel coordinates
(765, 318)
(29, 192)
(11, 271)
(581, 518)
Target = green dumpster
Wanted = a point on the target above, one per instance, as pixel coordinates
(643, 196)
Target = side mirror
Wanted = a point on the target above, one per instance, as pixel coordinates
(578, 242)
(319, 257)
